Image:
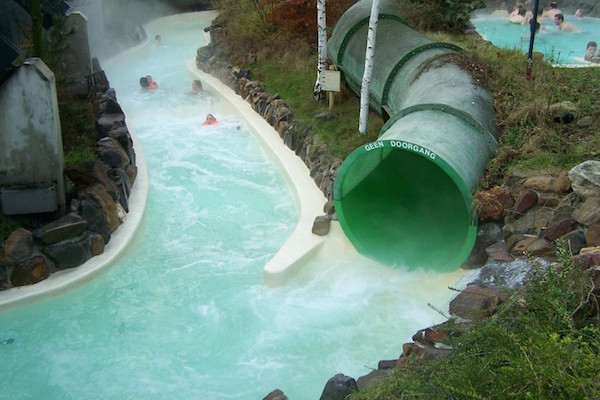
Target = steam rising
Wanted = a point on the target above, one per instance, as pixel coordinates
(115, 25)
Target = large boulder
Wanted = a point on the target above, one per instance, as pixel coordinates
(585, 178)
(339, 387)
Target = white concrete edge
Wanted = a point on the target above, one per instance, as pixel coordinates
(62, 281)
(302, 245)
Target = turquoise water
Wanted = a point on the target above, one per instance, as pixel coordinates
(562, 48)
(184, 314)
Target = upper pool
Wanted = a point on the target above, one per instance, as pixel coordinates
(184, 314)
(559, 48)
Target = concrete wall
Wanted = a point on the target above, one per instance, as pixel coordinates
(31, 151)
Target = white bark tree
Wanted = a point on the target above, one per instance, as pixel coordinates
(369, 61)
(322, 43)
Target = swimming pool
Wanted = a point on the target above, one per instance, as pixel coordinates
(559, 48)
(184, 313)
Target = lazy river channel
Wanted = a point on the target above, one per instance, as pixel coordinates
(184, 313)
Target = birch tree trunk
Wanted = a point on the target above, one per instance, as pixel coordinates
(369, 61)
(322, 43)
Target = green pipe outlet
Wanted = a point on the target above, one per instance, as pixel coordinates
(406, 199)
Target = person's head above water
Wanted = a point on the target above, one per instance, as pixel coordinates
(196, 86)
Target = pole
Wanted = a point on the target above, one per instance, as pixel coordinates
(532, 29)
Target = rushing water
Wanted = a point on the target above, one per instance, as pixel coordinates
(184, 314)
(561, 48)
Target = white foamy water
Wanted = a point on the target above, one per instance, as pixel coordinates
(184, 314)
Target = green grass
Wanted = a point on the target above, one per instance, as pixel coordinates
(293, 78)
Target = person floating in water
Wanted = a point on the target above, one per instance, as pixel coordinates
(563, 26)
(157, 39)
(146, 82)
(196, 86)
(210, 120)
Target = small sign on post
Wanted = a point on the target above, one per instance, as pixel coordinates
(331, 83)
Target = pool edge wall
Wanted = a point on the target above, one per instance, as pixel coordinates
(406, 199)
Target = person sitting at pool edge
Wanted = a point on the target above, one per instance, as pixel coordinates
(563, 26)
(210, 120)
(590, 53)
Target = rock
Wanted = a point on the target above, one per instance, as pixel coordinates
(589, 212)
(30, 271)
(585, 178)
(98, 195)
(562, 183)
(585, 122)
(562, 212)
(338, 388)
(499, 251)
(559, 229)
(540, 183)
(321, 225)
(476, 303)
(491, 205)
(421, 353)
(373, 377)
(329, 207)
(521, 246)
(276, 395)
(108, 122)
(532, 220)
(69, 226)
(4, 277)
(487, 234)
(386, 364)
(96, 243)
(324, 115)
(112, 153)
(541, 248)
(430, 336)
(548, 199)
(592, 235)
(576, 240)
(527, 200)
(508, 275)
(96, 220)
(17, 246)
(69, 253)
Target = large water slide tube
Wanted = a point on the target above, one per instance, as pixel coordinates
(406, 199)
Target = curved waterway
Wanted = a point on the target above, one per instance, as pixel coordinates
(184, 313)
